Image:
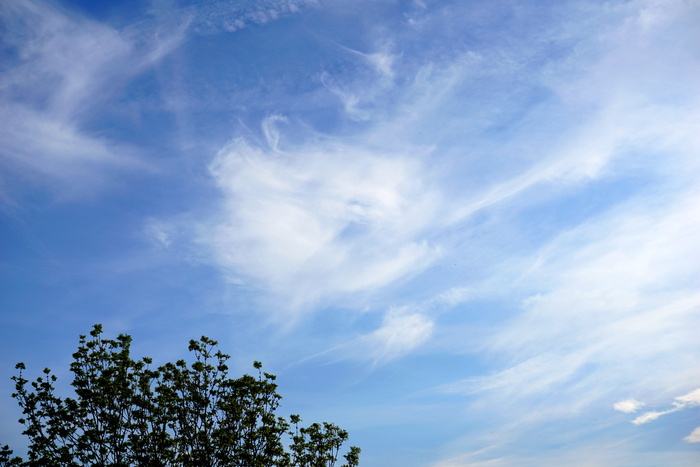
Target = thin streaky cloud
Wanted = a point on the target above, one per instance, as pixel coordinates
(692, 399)
(572, 338)
(65, 67)
(478, 219)
(403, 329)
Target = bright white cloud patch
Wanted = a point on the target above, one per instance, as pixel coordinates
(320, 220)
(401, 332)
(694, 436)
(648, 417)
(692, 399)
(628, 406)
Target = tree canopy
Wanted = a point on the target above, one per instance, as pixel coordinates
(127, 413)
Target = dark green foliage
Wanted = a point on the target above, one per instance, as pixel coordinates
(6, 458)
(126, 413)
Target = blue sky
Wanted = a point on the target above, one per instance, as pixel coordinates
(467, 231)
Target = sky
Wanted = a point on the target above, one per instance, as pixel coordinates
(465, 231)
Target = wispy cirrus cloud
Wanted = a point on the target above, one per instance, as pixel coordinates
(337, 216)
(403, 330)
(692, 399)
(494, 199)
(216, 16)
(615, 295)
(320, 220)
(64, 68)
(687, 401)
(615, 307)
(611, 298)
(364, 96)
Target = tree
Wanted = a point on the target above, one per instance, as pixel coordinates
(126, 413)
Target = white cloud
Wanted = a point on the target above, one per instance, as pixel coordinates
(382, 61)
(611, 288)
(403, 329)
(67, 63)
(612, 299)
(351, 102)
(401, 332)
(64, 59)
(365, 96)
(158, 233)
(613, 306)
(692, 399)
(628, 406)
(50, 151)
(694, 436)
(270, 130)
(66, 67)
(452, 297)
(228, 15)
(292, 217)
(648, 417)
(320, 220)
